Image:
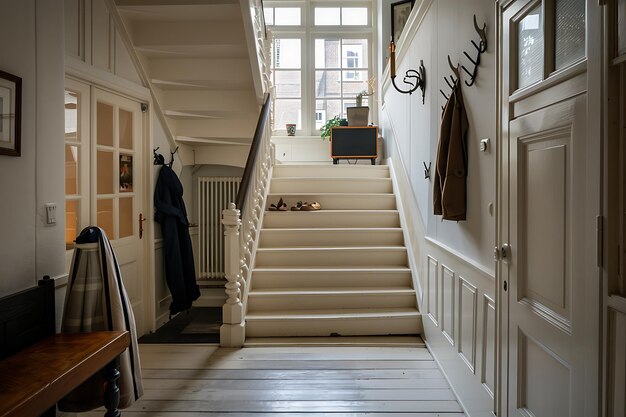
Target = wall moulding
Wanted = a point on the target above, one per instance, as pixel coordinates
(485, 272)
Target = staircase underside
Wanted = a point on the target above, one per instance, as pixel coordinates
(338, 276)
(196, 58)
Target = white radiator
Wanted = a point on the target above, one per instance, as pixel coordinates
(214, 195)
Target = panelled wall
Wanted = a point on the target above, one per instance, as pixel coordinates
(91, 37)
(31, 47)
(453, 261)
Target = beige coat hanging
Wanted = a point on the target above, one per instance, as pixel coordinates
(450, 189)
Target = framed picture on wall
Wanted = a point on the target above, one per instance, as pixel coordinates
(10, 114)
(400, 12)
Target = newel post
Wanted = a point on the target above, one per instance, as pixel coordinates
(232, 331)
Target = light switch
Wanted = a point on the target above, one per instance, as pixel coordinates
(51, 213)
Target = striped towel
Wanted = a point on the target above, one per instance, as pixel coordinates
(97, 301)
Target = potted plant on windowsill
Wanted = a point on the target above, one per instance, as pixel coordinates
(359, 115)
(334, 122)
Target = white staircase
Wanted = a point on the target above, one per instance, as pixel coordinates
(340, 271)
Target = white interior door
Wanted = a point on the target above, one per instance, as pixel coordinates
(546, 270)
(117, 187)
(550, 325)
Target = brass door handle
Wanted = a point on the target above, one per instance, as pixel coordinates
(141, 220)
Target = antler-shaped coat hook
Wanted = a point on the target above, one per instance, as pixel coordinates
(481, 48)
(414, 78)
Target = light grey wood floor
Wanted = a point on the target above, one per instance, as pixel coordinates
(196, 380)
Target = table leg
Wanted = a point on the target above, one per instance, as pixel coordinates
(112, 391)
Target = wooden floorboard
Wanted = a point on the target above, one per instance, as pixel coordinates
(291, 381)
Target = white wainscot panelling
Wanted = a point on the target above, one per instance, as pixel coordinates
(488, 347)
(102, 45)
(543, 380)
(616, 397)
(447, 303)
(74, 27)
(433, 291)
(467, 323)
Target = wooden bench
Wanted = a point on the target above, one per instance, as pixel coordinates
(39, 367)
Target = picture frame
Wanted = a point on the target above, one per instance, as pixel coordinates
(400, 12)
(10, 114)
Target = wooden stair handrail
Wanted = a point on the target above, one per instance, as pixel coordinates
(254, 150)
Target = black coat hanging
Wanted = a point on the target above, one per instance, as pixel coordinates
(179, 264)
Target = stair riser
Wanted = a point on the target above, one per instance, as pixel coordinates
(324, 301)
(326, 238)
(345, 327)
(338, 202)
(348, 279)
(330, 171)
(330, 185)
(305, 220)
(331, 258)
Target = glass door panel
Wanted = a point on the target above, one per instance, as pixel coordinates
(530, 48)
(104, 216)
(104, 173)
(76, 108)
(569, 35)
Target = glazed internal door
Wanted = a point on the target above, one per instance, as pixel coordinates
(117, 189)
(548, 312)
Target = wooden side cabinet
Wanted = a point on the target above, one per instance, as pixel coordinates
(354, 142)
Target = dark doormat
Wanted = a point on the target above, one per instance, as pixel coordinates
(197, 325)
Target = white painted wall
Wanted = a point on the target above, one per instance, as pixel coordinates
(452, 262)
(447, 29)
(31, 46)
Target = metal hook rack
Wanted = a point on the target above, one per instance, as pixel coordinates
(481, 48)
(158, 159)
(414, 78)
(452, 83)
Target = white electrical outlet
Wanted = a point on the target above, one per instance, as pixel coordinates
(51, 213)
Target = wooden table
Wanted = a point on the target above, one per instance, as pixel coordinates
(34, 379)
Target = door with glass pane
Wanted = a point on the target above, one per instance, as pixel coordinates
(77, 105)
(117, 185)
(546, 206)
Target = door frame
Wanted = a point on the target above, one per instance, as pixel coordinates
(614, 175)
(115, 85)
(595, 205)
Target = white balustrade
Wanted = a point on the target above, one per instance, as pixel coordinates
(241, 232)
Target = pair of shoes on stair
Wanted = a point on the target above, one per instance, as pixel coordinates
(280, 206)
(300, 206)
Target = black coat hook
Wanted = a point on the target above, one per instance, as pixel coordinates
(482, 32)
(481, 48)
(172, 157)
(426, 170)
(158, 158)
(455, 70)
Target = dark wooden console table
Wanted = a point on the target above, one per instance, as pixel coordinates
(354, 142)
(35, 378)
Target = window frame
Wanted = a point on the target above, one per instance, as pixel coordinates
(308, 33)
